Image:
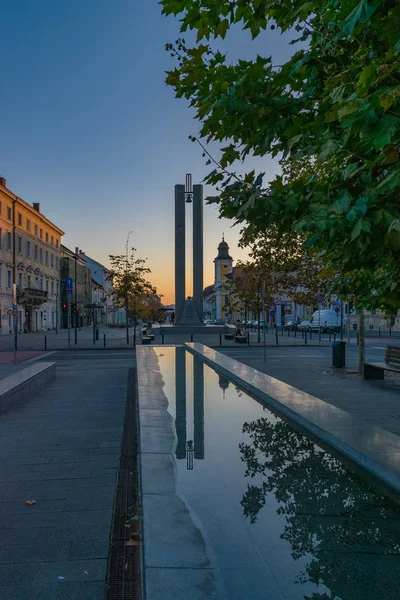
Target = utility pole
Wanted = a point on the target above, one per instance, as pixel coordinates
(76, 299)
(14, 285)
(265, 323)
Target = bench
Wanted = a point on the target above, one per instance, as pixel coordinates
(392, 363)
(145, 337)
(241, 339)
(230, 331)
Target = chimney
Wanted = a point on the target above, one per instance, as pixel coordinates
(3, 181)
(36, 206)
(76, 249)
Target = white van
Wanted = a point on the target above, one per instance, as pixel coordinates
(327, 320)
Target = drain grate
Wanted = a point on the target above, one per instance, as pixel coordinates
(123, 576)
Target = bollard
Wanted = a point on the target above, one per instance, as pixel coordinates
(276, 335)
(390, 332)
(282, 331)
(319, 335)
(162, 339)
(45, 342)
(310, 334)
(97, 333)
(104, 340)
(288, 332)
(305, 337)
(295, 333)
(220, 339)
(379, 332)
(358, 339)
(330, 336)
(191, 337)
(334, 336)
(302, 334)
(248, 339)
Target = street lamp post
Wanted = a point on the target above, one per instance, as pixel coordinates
(76, 302)
(56, 314)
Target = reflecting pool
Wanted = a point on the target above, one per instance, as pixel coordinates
(281, 518)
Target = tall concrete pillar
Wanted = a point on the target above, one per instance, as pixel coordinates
(180, 408)
(198, 249)
(180, 252)
(198, 408)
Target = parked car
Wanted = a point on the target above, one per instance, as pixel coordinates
(304, 325)
(325, 320)
(208, 322)
(291, 325)
(250, 323)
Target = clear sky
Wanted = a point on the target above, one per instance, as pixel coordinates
(90, 130)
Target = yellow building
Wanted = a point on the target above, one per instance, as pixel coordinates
(30, 251)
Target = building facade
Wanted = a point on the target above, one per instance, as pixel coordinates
(75, 267)
(105, 312)
(30, 253)
(216, 296)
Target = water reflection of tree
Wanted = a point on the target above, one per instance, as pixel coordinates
(350, 532)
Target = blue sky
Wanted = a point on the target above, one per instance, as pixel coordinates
(90, 130)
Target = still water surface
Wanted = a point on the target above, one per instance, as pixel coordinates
(281, 518)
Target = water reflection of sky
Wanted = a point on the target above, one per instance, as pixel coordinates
(276, 511)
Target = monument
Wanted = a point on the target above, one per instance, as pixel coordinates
(189, 307)
(188, 310)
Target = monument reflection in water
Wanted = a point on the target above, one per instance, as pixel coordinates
(283, 519)
(189, 449)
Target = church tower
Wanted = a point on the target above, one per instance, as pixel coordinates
(223, 268)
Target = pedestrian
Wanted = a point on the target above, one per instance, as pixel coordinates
(172, 318)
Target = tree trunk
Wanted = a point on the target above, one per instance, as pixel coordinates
(259, 330)
(361, 348)
(127, 321)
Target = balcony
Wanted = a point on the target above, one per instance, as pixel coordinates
(31, 297)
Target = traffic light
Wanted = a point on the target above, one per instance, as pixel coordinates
(64, 306)
(351, 307)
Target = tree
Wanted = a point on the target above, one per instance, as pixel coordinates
(345, 530)
(334, 105)
(130, 288)
(153, 310)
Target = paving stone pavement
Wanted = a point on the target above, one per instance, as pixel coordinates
(61, 448)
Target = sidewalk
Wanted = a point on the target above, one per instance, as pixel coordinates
(60, 450)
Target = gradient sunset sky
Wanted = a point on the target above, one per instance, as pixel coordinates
(90, 130)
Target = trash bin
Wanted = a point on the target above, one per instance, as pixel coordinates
(339, 354)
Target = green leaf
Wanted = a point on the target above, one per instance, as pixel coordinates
(223, 28)
(367, 75)
(357, 230)
(362, 13)
(328, 149)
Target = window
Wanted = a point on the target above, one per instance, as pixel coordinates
(29, 281)
(47, 285)
(1, 237)
(52, 260)
(19, 244)
(20, 219)
(36, 252)
(41, 254)
(41, 234)
(56, 243)
(47, 238)
(36, 229)
(9, 241)
(28, 249)
(20, 280)
(9, 213)
(52, 287)
(52, 240)
(9, 278)
(41, 284)
(28, 225)
(47, 258)
(57, 262)
(1, 206)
